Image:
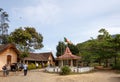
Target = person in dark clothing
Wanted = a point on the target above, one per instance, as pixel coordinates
(4, 68)
(25, 67)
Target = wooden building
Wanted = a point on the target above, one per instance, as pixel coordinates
(40, 58)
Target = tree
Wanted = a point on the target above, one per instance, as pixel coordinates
(3, 26)
(26, 39)
(115, 45)
(73, 49)
(60, 48)
(87, 51)
(96, 49)
(104, 35)
(104, 45)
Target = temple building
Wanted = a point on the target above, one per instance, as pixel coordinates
(68, 59)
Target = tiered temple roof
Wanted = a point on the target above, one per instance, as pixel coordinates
(67, 55)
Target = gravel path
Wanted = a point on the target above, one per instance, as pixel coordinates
(40, 76)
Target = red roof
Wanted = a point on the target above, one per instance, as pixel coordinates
(67, 55)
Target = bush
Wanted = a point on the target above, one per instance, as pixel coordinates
(40, 66)
(31, 66)
(45, 65)
(117, 67)
(94, 64)
(65, 70)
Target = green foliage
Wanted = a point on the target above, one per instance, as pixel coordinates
(5, 39)
(117, 67)
(23, 54)
(87, 51)
(60, 48)
(94, 64)
(96, 50)
(115, 47)
(105, 49)
(40, 66)
(73, 49)
(19, 36)
(26, 39)
(36, 38)
(104, 34)
(65, 70)
(45, 65)
(31, 66)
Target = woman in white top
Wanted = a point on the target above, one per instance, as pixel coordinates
(25, 67)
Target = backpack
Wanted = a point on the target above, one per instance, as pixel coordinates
(4, 68)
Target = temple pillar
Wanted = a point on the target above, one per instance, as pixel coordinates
(77, 62)
(71, 63)
(61, 63)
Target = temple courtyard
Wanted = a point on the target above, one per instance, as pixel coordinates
(40, 76)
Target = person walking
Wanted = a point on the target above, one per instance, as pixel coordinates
(25, 67)
(4, 68)
(8, 69)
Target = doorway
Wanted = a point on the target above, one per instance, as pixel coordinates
(9, 59)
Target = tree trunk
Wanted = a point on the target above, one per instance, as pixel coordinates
(115, 60)
(99, 62)
(106, 63)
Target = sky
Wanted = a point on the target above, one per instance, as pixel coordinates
(77, 20)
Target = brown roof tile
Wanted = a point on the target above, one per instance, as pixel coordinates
(39, 56)
(67, 55)
(4, 47)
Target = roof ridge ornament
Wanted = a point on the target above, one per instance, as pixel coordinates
(67, 51)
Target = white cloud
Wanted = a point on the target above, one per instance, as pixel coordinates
(55, 12)
(88, 8)
(78, 20)
(44, 13)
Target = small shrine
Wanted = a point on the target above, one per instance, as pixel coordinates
(68, 59)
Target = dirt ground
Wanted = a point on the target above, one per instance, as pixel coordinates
(40, 76)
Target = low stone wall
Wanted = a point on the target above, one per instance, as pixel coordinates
(52, 69)
(73, 69)
(81, 70)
